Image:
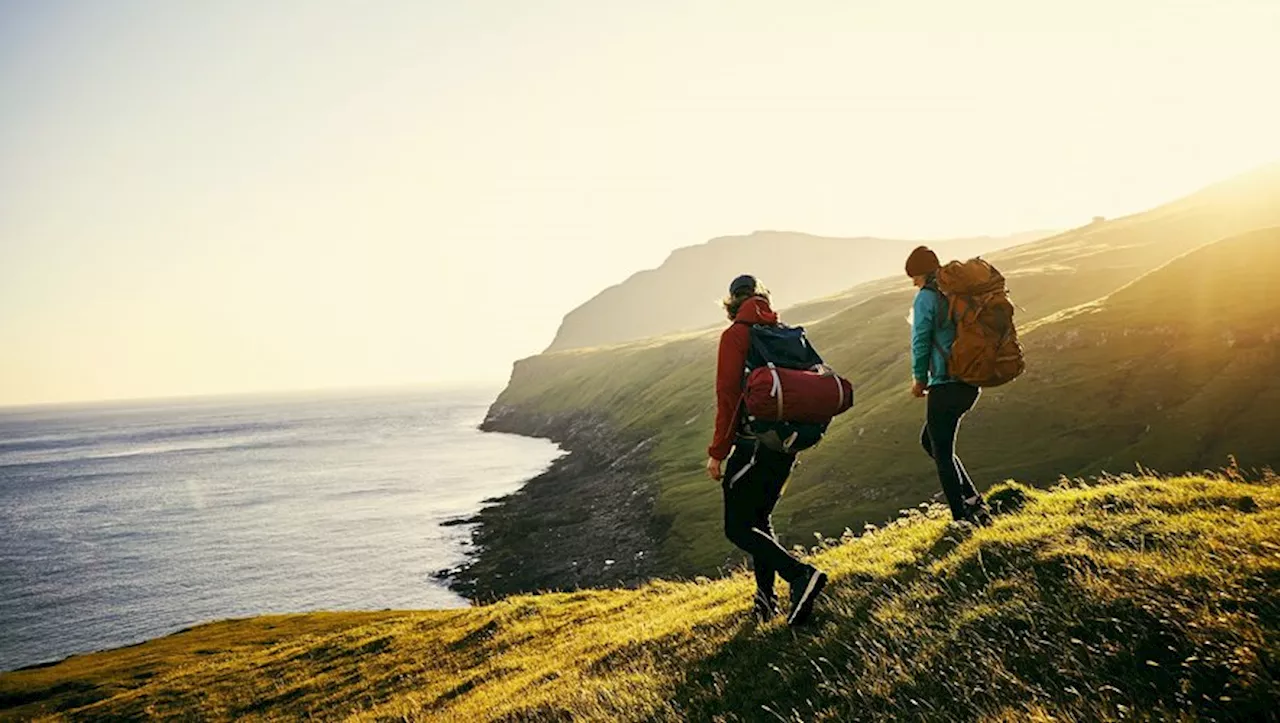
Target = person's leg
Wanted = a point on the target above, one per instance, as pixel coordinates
(751, 488)
(775, 469)
(737, 505)
(966, 482)
(764, 572)
(805, 581)
(947, 403)
(968, 492)
(766, 600)
(973, 501)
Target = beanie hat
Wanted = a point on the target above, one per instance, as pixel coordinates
(922, 262)
(744, 284)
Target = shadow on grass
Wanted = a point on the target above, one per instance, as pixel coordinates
(764, 670)
(1009, 628)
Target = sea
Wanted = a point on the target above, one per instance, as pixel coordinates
(121, 522)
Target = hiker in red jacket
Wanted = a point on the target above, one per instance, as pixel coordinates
(753, 478)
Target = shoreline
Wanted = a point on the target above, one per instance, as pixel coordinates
(585, 522)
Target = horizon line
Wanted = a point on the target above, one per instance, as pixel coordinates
(284, 392)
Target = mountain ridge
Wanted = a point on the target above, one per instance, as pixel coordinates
(682, 293)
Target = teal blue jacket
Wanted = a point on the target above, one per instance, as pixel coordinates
(932, 334)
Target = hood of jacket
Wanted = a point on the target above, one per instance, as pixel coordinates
(756, 311)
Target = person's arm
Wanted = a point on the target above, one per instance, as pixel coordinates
(731, 361)
(923, 317)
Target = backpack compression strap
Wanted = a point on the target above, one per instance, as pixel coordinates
(776, 392)
(937, 325)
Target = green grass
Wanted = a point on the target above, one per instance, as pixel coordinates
(1123, 598)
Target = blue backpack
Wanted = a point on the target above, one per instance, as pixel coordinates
(785, 347)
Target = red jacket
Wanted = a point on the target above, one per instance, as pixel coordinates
(730, 366)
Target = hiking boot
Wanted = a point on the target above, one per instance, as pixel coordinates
(803, 592)
(976, 512)
(979, 516)
(764, 608)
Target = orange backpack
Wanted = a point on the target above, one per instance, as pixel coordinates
(986, 352)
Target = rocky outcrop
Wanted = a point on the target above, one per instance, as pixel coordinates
(588, 521)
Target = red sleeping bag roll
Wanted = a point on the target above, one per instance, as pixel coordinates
(796, 395)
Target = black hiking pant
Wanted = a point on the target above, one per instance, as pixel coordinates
(947, 405)
(753, 479)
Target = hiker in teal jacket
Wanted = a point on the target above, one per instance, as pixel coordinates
(932, 334)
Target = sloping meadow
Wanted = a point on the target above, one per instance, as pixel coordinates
(1125, 598)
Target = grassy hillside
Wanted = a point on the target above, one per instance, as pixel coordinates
(1137, 597)
(1172, 371)
(1083, 406)
(681, 294)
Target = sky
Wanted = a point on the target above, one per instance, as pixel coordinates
(238, 196)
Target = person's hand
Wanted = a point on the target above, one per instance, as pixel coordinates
(917, 388)
(713, 468)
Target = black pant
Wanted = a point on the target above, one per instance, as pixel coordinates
(753, 481)
(946, 406)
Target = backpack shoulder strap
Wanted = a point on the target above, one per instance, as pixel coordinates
(938, 321)
(757, 348)
(945, 305)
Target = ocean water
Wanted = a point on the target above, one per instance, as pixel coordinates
(123, 522)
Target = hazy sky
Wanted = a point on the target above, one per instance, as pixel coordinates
(204, 197)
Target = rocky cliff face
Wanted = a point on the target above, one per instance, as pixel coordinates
(588, 521)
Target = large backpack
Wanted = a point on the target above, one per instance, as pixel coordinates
(986, 352)
(790, 395)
